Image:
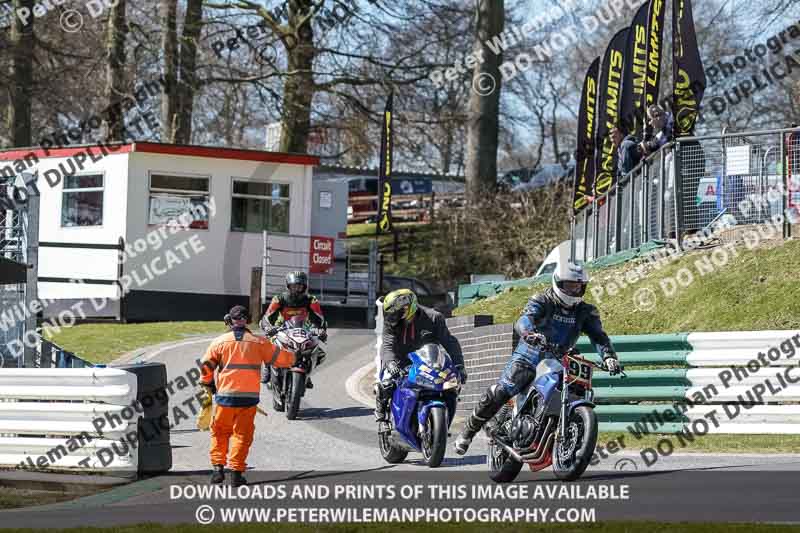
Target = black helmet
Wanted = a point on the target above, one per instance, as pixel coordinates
(237, 317)
(297, 283)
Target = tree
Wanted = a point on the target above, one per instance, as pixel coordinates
(18, 115)
(484, 102)
(115, 71)
(187, 68)
(169, 45)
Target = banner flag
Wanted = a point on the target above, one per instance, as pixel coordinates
(609, 103)
(384, 224)
(655, 50)
(635, 74)
(584, 155)
(688, 75)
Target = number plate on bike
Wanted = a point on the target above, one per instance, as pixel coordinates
(579, 371)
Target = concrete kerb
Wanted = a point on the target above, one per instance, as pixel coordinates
(142, 355)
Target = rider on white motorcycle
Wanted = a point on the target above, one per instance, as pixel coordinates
(557, 316)
(295, 302)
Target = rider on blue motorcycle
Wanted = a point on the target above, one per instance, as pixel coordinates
(407, 326)
(556, 316)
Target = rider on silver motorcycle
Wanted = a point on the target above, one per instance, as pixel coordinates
(557, 316)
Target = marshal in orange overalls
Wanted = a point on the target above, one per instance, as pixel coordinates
(237, 357)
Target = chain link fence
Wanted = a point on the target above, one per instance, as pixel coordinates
(747, 178)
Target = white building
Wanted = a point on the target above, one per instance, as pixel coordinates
(191, 217)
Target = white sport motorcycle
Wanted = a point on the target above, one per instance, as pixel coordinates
(289, 384)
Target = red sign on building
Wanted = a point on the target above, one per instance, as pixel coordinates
(321, 255)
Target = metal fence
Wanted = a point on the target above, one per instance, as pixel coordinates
(352, 282)
(18, 243)
(747, 178)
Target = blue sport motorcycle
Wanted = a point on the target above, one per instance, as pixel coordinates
(422, 408)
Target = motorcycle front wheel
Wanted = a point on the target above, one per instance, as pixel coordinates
(297, 381)
(434, 437)
(572, 456)
(278, 400)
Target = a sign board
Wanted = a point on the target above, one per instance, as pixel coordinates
(737, 160)
(325, 199)
(412, 186)
(321, 255)
(706, 190)
(177, 210)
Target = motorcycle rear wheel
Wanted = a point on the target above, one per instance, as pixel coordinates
(391, 451)
(502, 467)
(434, 438)
(581, 440)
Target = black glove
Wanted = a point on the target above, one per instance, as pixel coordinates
(462, 374)
(535, 339)
(393, 370)
(322, 334)
(612, 363)
(271, 332)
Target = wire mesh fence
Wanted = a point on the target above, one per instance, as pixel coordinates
(686, 187)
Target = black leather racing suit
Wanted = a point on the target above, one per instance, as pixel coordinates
(428, 326)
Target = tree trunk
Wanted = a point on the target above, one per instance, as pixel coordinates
(484, 103)
(115, 72)
(21, 78)
(298, 90)
(187, 87)
(169, 46)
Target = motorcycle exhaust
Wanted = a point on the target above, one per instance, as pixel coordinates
(538, 456)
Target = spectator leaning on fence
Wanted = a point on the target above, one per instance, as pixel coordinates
(628, 151)
(661, 122)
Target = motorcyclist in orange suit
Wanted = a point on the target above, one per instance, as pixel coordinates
(295, 302)
(236, 357)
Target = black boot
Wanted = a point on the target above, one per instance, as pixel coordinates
(237, 479)
(218, 475)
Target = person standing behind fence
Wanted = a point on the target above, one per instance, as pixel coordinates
(628, 152)
(661, 122)
(236, 357)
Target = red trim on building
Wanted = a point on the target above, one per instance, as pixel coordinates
(15, 154)
(167, 149)
(226, 153)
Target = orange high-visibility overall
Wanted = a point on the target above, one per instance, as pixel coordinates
(237, 357)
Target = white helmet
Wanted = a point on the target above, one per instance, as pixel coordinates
(569, 273)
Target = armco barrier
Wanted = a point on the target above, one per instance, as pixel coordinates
(688, 384)
(46, 417)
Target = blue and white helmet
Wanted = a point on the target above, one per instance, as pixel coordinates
(569, 283)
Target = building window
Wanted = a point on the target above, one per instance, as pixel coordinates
(176, 200)
(259, 206)
(82, 201)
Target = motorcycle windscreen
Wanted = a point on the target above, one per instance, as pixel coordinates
(433, 355)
